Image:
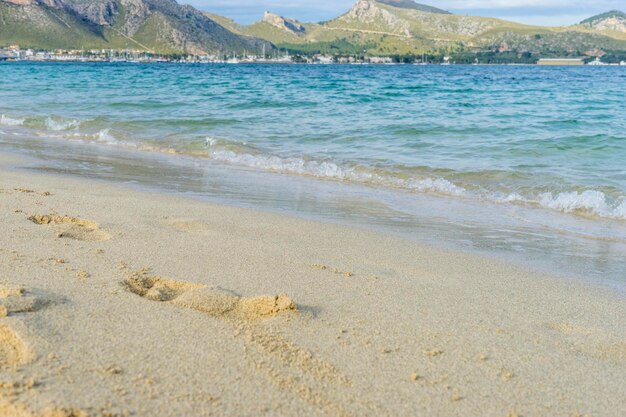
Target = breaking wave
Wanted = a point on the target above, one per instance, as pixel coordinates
(331, 170)
(59, 125)
(10, 121)
(589, 203)
(105, 136)
(586, 203)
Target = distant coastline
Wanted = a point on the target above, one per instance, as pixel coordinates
(385, 31)
(138, 57)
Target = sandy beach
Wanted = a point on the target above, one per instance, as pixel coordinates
(117, 302)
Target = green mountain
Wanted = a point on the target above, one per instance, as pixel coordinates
(613, 21)
(613, 14)
(160, 26)
(403, 27)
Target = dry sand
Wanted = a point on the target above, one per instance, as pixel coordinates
(116, 302)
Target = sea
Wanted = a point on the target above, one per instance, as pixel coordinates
(521, 163)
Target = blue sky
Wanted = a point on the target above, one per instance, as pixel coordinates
(540, 12)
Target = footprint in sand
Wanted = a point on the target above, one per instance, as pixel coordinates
(189, 225)
(13, 350)
(72, 227)
(199, 297)
(614, 352)
(13, 300)
(289, 367)
(611, 350)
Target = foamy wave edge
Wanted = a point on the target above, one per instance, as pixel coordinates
(333, 171)
(49, 123)
(591, 201)
(10, 121)
(587, 203)
(59, 125)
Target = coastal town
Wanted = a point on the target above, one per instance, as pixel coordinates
(16, 53)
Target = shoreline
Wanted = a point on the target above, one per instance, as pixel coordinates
(115, 304)
(557, 243)
(238, 155)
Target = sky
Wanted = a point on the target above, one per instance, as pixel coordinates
(538, 12)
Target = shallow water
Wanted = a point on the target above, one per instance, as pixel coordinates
(523, 162)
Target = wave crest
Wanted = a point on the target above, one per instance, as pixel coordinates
(10, 121)
(329, 170)
(59, 125)
(589, 201)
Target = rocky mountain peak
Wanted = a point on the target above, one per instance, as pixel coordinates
(283, 23)
(369, 12)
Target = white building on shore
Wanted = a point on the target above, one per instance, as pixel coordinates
(561, 61)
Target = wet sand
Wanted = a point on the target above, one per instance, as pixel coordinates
(116, 302)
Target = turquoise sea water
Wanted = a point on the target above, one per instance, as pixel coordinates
(524, 160)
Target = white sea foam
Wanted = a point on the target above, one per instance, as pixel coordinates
(105, 136)
(297, 166)
(10, 121)
(509, 198)
(58, 125)
(620, 210)
(437, 185)
(331, 170)
(211, 141)
(589, 201)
